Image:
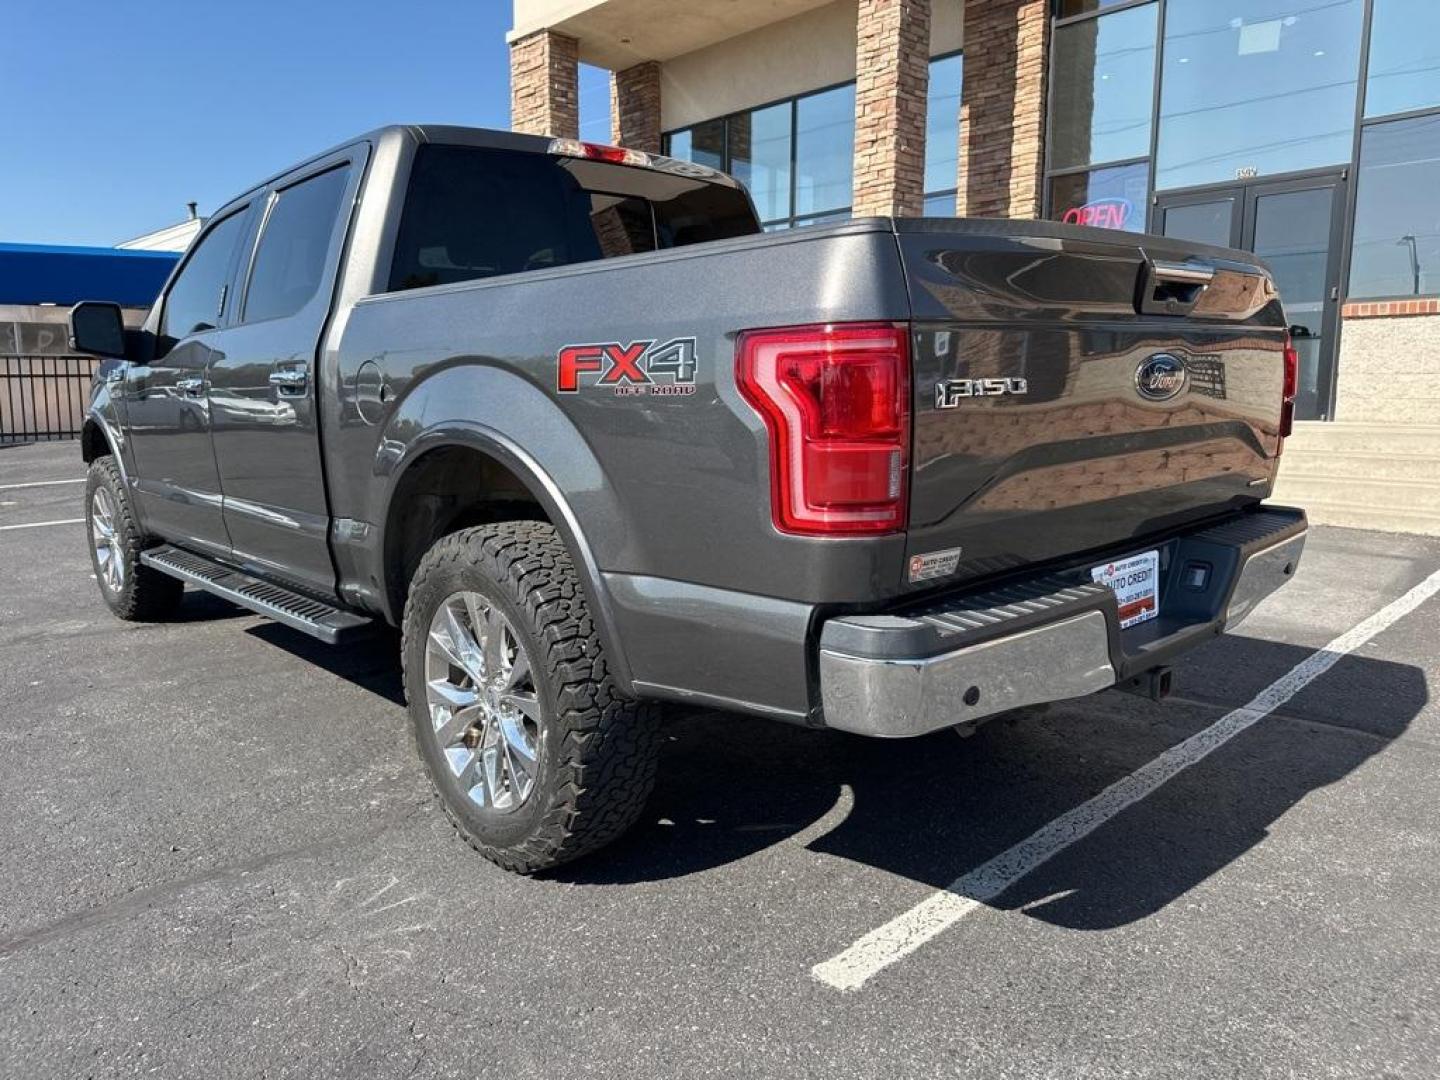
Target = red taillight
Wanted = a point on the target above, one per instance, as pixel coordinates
(1291, 386)
(836, 402)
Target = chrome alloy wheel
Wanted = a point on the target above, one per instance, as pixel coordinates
(480, 693)
(108, 559)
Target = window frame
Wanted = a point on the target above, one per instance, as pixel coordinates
(1353, 201)
(244, 212)
(796, 220)
(791, 220)
(355, 158)
(954, 190)
(1352, 195)
(1057, 22)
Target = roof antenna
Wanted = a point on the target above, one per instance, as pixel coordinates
(192, 207)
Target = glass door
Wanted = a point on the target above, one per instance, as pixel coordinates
(1295, 226)
(1214, 217)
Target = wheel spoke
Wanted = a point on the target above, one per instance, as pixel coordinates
(494, 641)
(465, 648)
(465, 764)
(477, 614)
(490, 766)
(451, 723)
(457, 697)
(440, 637)
(512, 729)
(527, 703)
(519, 671)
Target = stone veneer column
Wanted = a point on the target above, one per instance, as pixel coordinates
(1002, 111)
(545, 85)
(892, 65)
(635, 107)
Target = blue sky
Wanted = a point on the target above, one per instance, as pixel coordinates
(115, 114)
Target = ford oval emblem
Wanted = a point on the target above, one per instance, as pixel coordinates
(1161, 377)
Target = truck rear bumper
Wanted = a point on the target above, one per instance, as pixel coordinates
(964, 657)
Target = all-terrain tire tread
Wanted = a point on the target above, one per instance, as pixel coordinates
(608, 745)
(149, 595)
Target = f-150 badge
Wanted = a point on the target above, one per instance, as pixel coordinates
(629, 369)
(949, 393)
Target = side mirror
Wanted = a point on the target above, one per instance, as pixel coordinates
(97, 329)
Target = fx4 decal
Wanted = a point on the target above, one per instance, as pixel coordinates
(630, 369)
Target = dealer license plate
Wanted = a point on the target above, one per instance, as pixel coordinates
(1136, 582)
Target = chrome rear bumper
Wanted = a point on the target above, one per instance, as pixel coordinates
(1053, 637)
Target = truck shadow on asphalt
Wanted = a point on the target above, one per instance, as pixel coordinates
(371, 662)
(933, 808)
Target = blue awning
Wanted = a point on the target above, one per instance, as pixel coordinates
(54, 274)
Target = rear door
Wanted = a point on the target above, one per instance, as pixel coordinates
(166, 409)
(263, 392)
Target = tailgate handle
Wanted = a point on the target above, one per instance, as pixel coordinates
(1172, 288)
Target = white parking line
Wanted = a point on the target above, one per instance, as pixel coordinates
(42, 524)
(904, 934)
(41, 483)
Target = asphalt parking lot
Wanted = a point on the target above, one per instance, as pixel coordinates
(219, 857)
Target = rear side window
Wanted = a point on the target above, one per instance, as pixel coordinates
(290, 261)
(197, 300)
(472, 212)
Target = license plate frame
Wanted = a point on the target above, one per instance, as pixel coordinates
(1135, 580)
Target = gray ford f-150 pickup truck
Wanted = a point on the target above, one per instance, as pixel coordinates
(594, 442)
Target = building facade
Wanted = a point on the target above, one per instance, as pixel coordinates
(1307, 131)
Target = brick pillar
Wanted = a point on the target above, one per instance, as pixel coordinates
(1002, 111)
(892, 64)
(635, 107)
(545, 85)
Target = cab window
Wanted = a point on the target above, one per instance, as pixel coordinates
(290, 261)
(198, 298)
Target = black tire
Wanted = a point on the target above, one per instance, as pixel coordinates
(144, 594)
(597, 749)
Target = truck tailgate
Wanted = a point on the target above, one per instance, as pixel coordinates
(1078, 388)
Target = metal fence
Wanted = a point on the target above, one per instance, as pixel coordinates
(43, 397)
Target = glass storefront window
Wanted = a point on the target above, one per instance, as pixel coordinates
(940, 205)
(1256, 87)
(797, 157)
(703, 144)
(1112, 198)
(1404, 71)
(1397, 216)
(760, 158)
(824, 150)
(1066, 8)
(1103, 88)
(942, 125)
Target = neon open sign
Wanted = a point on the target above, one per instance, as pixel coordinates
(1102, 213)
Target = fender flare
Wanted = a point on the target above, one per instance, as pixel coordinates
(96, 419)
(486, 440)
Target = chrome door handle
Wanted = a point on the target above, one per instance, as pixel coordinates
(293, 378)
(192, 387)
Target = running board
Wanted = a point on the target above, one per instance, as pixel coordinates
(327, 622)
